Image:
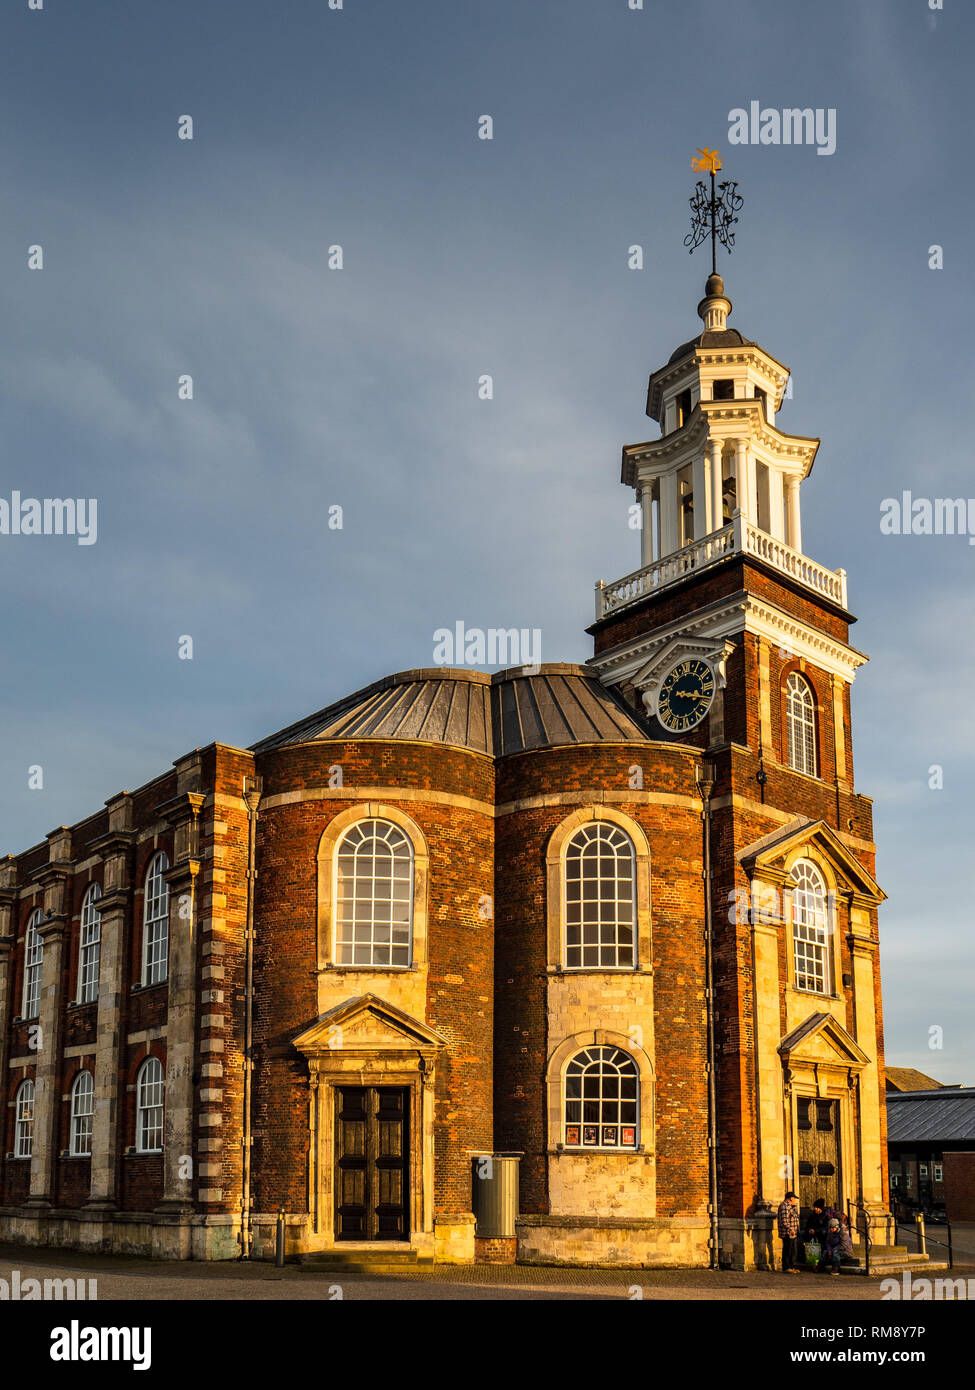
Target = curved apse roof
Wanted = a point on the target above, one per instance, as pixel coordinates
(508, 712)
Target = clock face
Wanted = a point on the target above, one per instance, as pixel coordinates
(685, 696)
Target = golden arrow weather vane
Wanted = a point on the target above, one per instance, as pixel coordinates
(713, 214)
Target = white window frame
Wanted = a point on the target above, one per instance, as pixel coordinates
(609, 1106)
(33, 967)
(89, 950)
(812, 949)
(82, 1114)
(24, 1120)
(591, 843)
(939, 1172)
(368, 926)
(800, 721)
(155, 921)
(150, 1103)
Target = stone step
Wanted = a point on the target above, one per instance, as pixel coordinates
(369, 1260)
(914, 1264)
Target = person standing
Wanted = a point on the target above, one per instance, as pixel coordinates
(788, 1219)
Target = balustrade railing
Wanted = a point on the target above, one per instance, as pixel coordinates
(740, 536)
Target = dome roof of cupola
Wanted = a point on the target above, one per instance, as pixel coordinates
(711, 338)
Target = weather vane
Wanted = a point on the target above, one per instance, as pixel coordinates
(713, 216)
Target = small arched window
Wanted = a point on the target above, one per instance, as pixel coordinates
(810, 928)
(374, 896)
(600, 900)
(601, 1105)
(800, 723)
(149, 1088)
(33, 965)
(155, 922)
(82, 1112)
(90, 950)
(24, 1120)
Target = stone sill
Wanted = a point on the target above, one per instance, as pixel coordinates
(569, 970)
(563, 1151)
(613, 1223)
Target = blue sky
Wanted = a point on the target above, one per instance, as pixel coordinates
(358, 387)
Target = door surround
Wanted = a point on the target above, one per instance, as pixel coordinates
(369, 1042)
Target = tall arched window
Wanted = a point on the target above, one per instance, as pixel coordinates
(24, 1117)
(82, 1112)
(601, 1105)
(810, 928)
(33, 965)
(91, 936)
(149, 1088)
(600, 901)
(800, 723)
(374, 895)
(155, 922)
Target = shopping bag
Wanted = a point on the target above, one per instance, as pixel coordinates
(814, 1252)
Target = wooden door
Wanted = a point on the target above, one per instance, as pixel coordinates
(819, 1151)
(371, 1163)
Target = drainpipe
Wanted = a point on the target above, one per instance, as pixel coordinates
(704, 775)
(252, 797)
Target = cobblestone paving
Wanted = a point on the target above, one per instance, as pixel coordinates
(125, 1278)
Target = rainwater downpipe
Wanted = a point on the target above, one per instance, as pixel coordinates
(704, 775)
(252, 797)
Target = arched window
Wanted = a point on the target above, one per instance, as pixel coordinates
(82, 1112)
(601, 1106)
(374, 895)
(810, 928)
(33, 964)
(600, 902)
(24, 1114)
(155, 922)
(149, 1089)
(91, 935)
(800, 723)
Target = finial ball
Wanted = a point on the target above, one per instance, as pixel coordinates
(715, 285)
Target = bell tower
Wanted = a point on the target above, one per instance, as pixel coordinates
(730, 638)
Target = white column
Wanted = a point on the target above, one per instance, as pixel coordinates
(794, 527)
(668, 513)
(701, 508)
(646, 535)
(745, 480)
(717, 509)
(775, 504)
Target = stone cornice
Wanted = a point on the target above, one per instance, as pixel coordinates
(49, 874)
(111, 843)
(181, 808)
(749, 353)
(743, 612)
(53, 928)
(718, 420)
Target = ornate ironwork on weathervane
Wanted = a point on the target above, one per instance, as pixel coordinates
(713, 215)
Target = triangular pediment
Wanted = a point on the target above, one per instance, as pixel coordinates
(367, 1024)
(768, 857)
(822, 1038)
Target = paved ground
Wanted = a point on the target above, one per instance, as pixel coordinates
(125, 1278)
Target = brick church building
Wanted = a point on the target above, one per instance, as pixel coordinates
(619, 919)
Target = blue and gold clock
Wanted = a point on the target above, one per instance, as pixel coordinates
(685, 695)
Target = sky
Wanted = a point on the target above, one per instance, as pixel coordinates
(316, 388)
